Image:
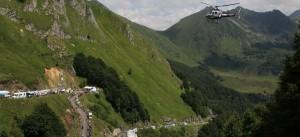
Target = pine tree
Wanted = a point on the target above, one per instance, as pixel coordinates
(283, 119)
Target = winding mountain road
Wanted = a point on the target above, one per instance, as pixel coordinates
(84, 124)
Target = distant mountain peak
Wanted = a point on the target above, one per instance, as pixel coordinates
(295, 15)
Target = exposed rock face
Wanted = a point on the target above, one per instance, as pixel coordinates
(40, 33)
(92, 18)
(31, 6)
(56, 30)
(30, 27)
(54, 38)
(54, 7)
(129, 33)
(80, 6)
(57, 9)
(11, 14)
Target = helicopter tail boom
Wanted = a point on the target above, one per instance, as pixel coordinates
(228, 15)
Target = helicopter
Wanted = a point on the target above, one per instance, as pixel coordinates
(216, 13)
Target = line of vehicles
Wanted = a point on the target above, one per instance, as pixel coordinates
(44, 92)
(36, 93)
(90, 128)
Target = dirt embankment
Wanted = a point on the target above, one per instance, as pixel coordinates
(57, 77)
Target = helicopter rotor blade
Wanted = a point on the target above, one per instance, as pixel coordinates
(206, 3)
(228, 5)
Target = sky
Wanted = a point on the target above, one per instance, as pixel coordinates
(161, 14)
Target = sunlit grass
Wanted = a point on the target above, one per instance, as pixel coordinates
(248, 83)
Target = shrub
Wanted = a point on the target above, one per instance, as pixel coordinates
(43, 123)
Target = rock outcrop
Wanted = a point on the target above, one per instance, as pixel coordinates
(11, 14)
(31, 6)
(80, 6)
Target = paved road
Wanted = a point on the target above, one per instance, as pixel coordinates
(84, 124)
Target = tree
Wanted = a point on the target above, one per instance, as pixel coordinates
(213, 129)
(251, 124)
(283, 118)
(233, 127)
(43, 123)
(3, 134)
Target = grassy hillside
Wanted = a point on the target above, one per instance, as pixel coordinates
(104, 115)
(256, 44)
(23, 56)
(247, 83)
(167, 47)
(12, 109)
(60, 32)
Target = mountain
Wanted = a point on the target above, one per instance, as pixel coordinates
(50, 43)
(295, 15)
(234, 48)
(40, 38)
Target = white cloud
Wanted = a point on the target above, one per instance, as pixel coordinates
(161, 14)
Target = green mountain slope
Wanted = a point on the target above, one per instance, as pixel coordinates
(23, 56)
(167, 47)
(255, 44)
(49, 33)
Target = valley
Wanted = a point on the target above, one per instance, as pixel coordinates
(247, 83)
